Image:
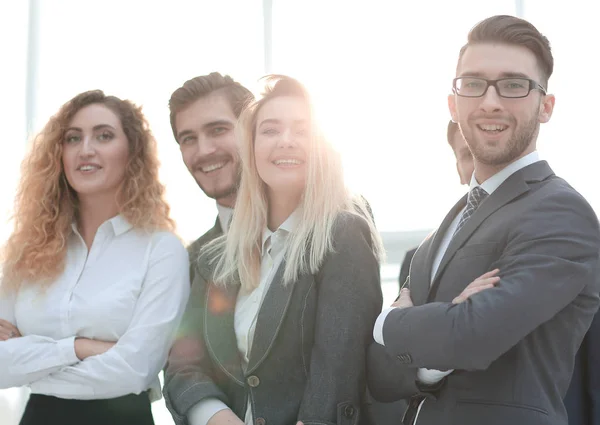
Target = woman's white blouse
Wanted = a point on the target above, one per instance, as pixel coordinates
(131, 287)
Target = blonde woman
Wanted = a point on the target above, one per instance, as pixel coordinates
(94, 281)
(278, 322)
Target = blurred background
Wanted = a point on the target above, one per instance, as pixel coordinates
(379, 71)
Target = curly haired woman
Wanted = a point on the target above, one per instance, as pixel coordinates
(94, 282)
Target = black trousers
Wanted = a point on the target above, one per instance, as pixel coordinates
(127, 410)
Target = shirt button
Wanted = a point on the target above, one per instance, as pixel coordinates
(260, 421)
(253, 381)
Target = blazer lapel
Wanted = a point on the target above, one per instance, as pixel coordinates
(513, 187)
(420, 268)
(219, 330)
(270, 317)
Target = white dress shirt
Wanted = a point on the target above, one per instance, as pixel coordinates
(247, 306)
(131, 287)
(225, 214)
(432, 376)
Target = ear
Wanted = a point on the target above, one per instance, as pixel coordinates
(546, 108)
(452, 107)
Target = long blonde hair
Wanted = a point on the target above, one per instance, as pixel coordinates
(238, 254)
(45, 204)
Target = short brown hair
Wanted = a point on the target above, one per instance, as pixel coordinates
(515, 31)
(198, 87)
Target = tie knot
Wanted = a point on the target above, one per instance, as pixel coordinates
(476, 196)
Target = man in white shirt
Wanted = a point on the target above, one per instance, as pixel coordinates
(497, 349)
(203, 113)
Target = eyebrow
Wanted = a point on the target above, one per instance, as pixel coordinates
(214, 123)
(276, 121)
(502, 75)
(95, 128)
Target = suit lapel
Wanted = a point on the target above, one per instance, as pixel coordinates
(270, 317)
(420, 268)
(219, 330)
(513, 187)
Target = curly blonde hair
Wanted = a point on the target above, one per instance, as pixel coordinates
(46, 205)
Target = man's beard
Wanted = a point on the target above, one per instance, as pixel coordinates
(224, 192)
(517, 144)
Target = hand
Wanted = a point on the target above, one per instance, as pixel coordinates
(8, 330)
(483, 282)
(85, 347)
(404, 300)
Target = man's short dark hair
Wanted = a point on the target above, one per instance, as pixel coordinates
(515, 31)
(198, 87)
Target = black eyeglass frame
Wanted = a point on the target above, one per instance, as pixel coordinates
(533, 85)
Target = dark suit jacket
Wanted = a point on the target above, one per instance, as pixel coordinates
(512, 347)
(196, 246)
(405, 267)
(308, 356)
(583, 397)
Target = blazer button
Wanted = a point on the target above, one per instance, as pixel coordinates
(260, 421)
(349, 411)
(254, 382)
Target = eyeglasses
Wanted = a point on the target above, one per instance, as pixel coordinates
(505, 87)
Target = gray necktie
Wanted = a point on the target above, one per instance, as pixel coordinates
(476, 196)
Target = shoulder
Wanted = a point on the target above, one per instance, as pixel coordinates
(163, 242)
(556, 196)
(195, 247)
(350, 225)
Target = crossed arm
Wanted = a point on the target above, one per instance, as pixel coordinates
(550, 257)
(88, 369)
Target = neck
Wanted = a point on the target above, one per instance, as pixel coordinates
(227, 201)
(485, 171)
(93, 211)
(281, 206)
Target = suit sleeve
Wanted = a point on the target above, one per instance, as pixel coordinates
(551, 255)
(189, 375)
(349, 299)
(593, 369)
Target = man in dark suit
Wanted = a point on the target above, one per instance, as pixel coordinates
(472, 348)
(203, 114)
(583, 397)
(464, 167)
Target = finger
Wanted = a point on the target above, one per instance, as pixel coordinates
(467, 293)
(487, 281)
(483, 281)
(491, 273)
(8, 326)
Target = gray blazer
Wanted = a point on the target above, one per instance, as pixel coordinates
(513, 346)
(308, 357)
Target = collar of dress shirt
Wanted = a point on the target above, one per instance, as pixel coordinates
(494, 182)
(118, 223)
(287, 226)
(225, 214)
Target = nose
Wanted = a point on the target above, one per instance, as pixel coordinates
(287, 139)
(87, 147)
(491, 101)
(205, 147)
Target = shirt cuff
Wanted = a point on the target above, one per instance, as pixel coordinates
(202, 411)
(432, 376)
(378, 328)
(66, 348)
